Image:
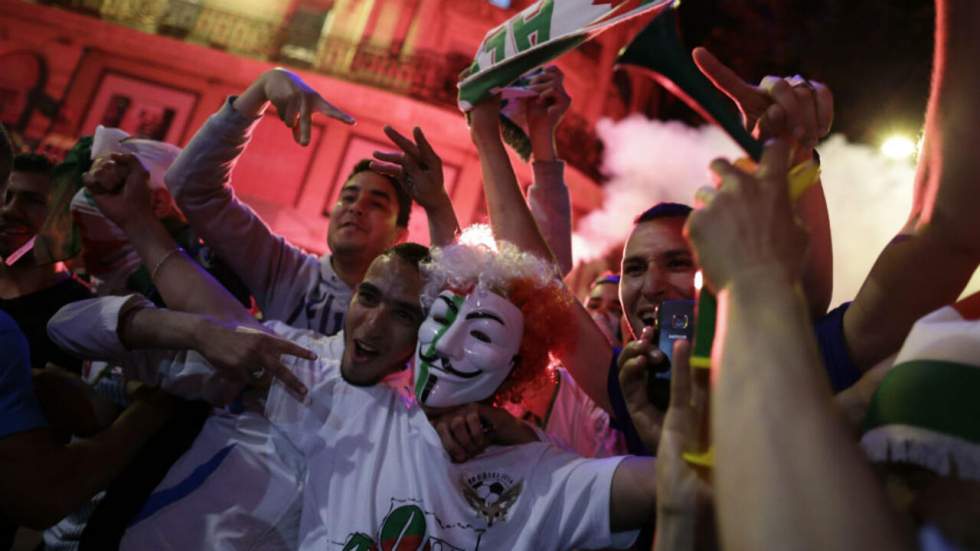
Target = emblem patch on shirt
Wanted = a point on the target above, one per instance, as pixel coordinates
(491, 495)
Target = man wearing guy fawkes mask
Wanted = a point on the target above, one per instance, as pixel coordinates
(492, 319)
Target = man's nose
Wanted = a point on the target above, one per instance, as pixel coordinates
(654, 283)
(450, 343)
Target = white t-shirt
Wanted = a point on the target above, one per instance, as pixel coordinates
(377, 474)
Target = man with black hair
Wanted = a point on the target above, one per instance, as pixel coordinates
(30, 292)
(371, 213)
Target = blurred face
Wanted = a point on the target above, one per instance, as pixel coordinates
(466, 348)
(604, 306)
(364, 218)
(657, 266)
(23, 209)
(382, 322)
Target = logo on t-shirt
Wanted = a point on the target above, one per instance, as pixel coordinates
(408, 527)
(491, 495)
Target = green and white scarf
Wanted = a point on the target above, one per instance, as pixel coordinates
(927, 410)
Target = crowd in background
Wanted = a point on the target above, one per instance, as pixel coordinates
(176, 375)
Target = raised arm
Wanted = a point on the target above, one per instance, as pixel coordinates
(774, 426)
(184, 285)
(587, 353)
(930, 264)
(548, 196)
(801, 111)
(200, 181)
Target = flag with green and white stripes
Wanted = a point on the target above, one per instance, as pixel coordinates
(539, 34)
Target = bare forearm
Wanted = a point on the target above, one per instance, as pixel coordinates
(953, 119)
(633, 495)
(183, 284)
(509, 216)
(818, 277)
(912, 277)
(775, 432)
(45, 481)
(159, 328)
(443, 225)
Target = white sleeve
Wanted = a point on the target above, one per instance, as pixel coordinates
(276, 272)
(88, 328)
(573, 495)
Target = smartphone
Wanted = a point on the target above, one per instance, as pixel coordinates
(675, 320)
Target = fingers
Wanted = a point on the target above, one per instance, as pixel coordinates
(395, 171)
(468, 433)
(733, 179)
(703, 196)
(290, 112)
(782, 93)
(323, 106)
(301, 133)
(402, 142)
(455, 451)
(774, 165)
(808, 114)
(725, 79)
(292, 349)
(680, 375)
(429, 155)
(462, 433)
(824, 106)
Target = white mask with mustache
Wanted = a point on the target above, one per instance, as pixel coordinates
(467, 347)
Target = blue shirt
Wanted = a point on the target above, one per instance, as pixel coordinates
(833, 348)
(19, 409)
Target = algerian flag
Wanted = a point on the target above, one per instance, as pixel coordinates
(539, 34)
(927, 410)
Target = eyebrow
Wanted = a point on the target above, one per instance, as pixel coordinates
(485, 315)
(452, 305)
(381, 194)
(676, 253)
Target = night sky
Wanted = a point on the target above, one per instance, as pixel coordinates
(874, 54)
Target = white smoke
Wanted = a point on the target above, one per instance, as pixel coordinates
(868, 195)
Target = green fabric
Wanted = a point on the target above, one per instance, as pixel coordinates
(940, 396)
(59, 238)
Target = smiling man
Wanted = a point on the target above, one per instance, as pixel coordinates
(30, 292)
(371, 213)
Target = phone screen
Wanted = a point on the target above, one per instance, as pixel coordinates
(675, 320)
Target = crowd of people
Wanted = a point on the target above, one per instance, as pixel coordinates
(195, 381)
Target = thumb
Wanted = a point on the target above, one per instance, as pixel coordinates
(680, 375)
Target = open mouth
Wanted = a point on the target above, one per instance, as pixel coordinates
(364, 351)
(649, 319)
